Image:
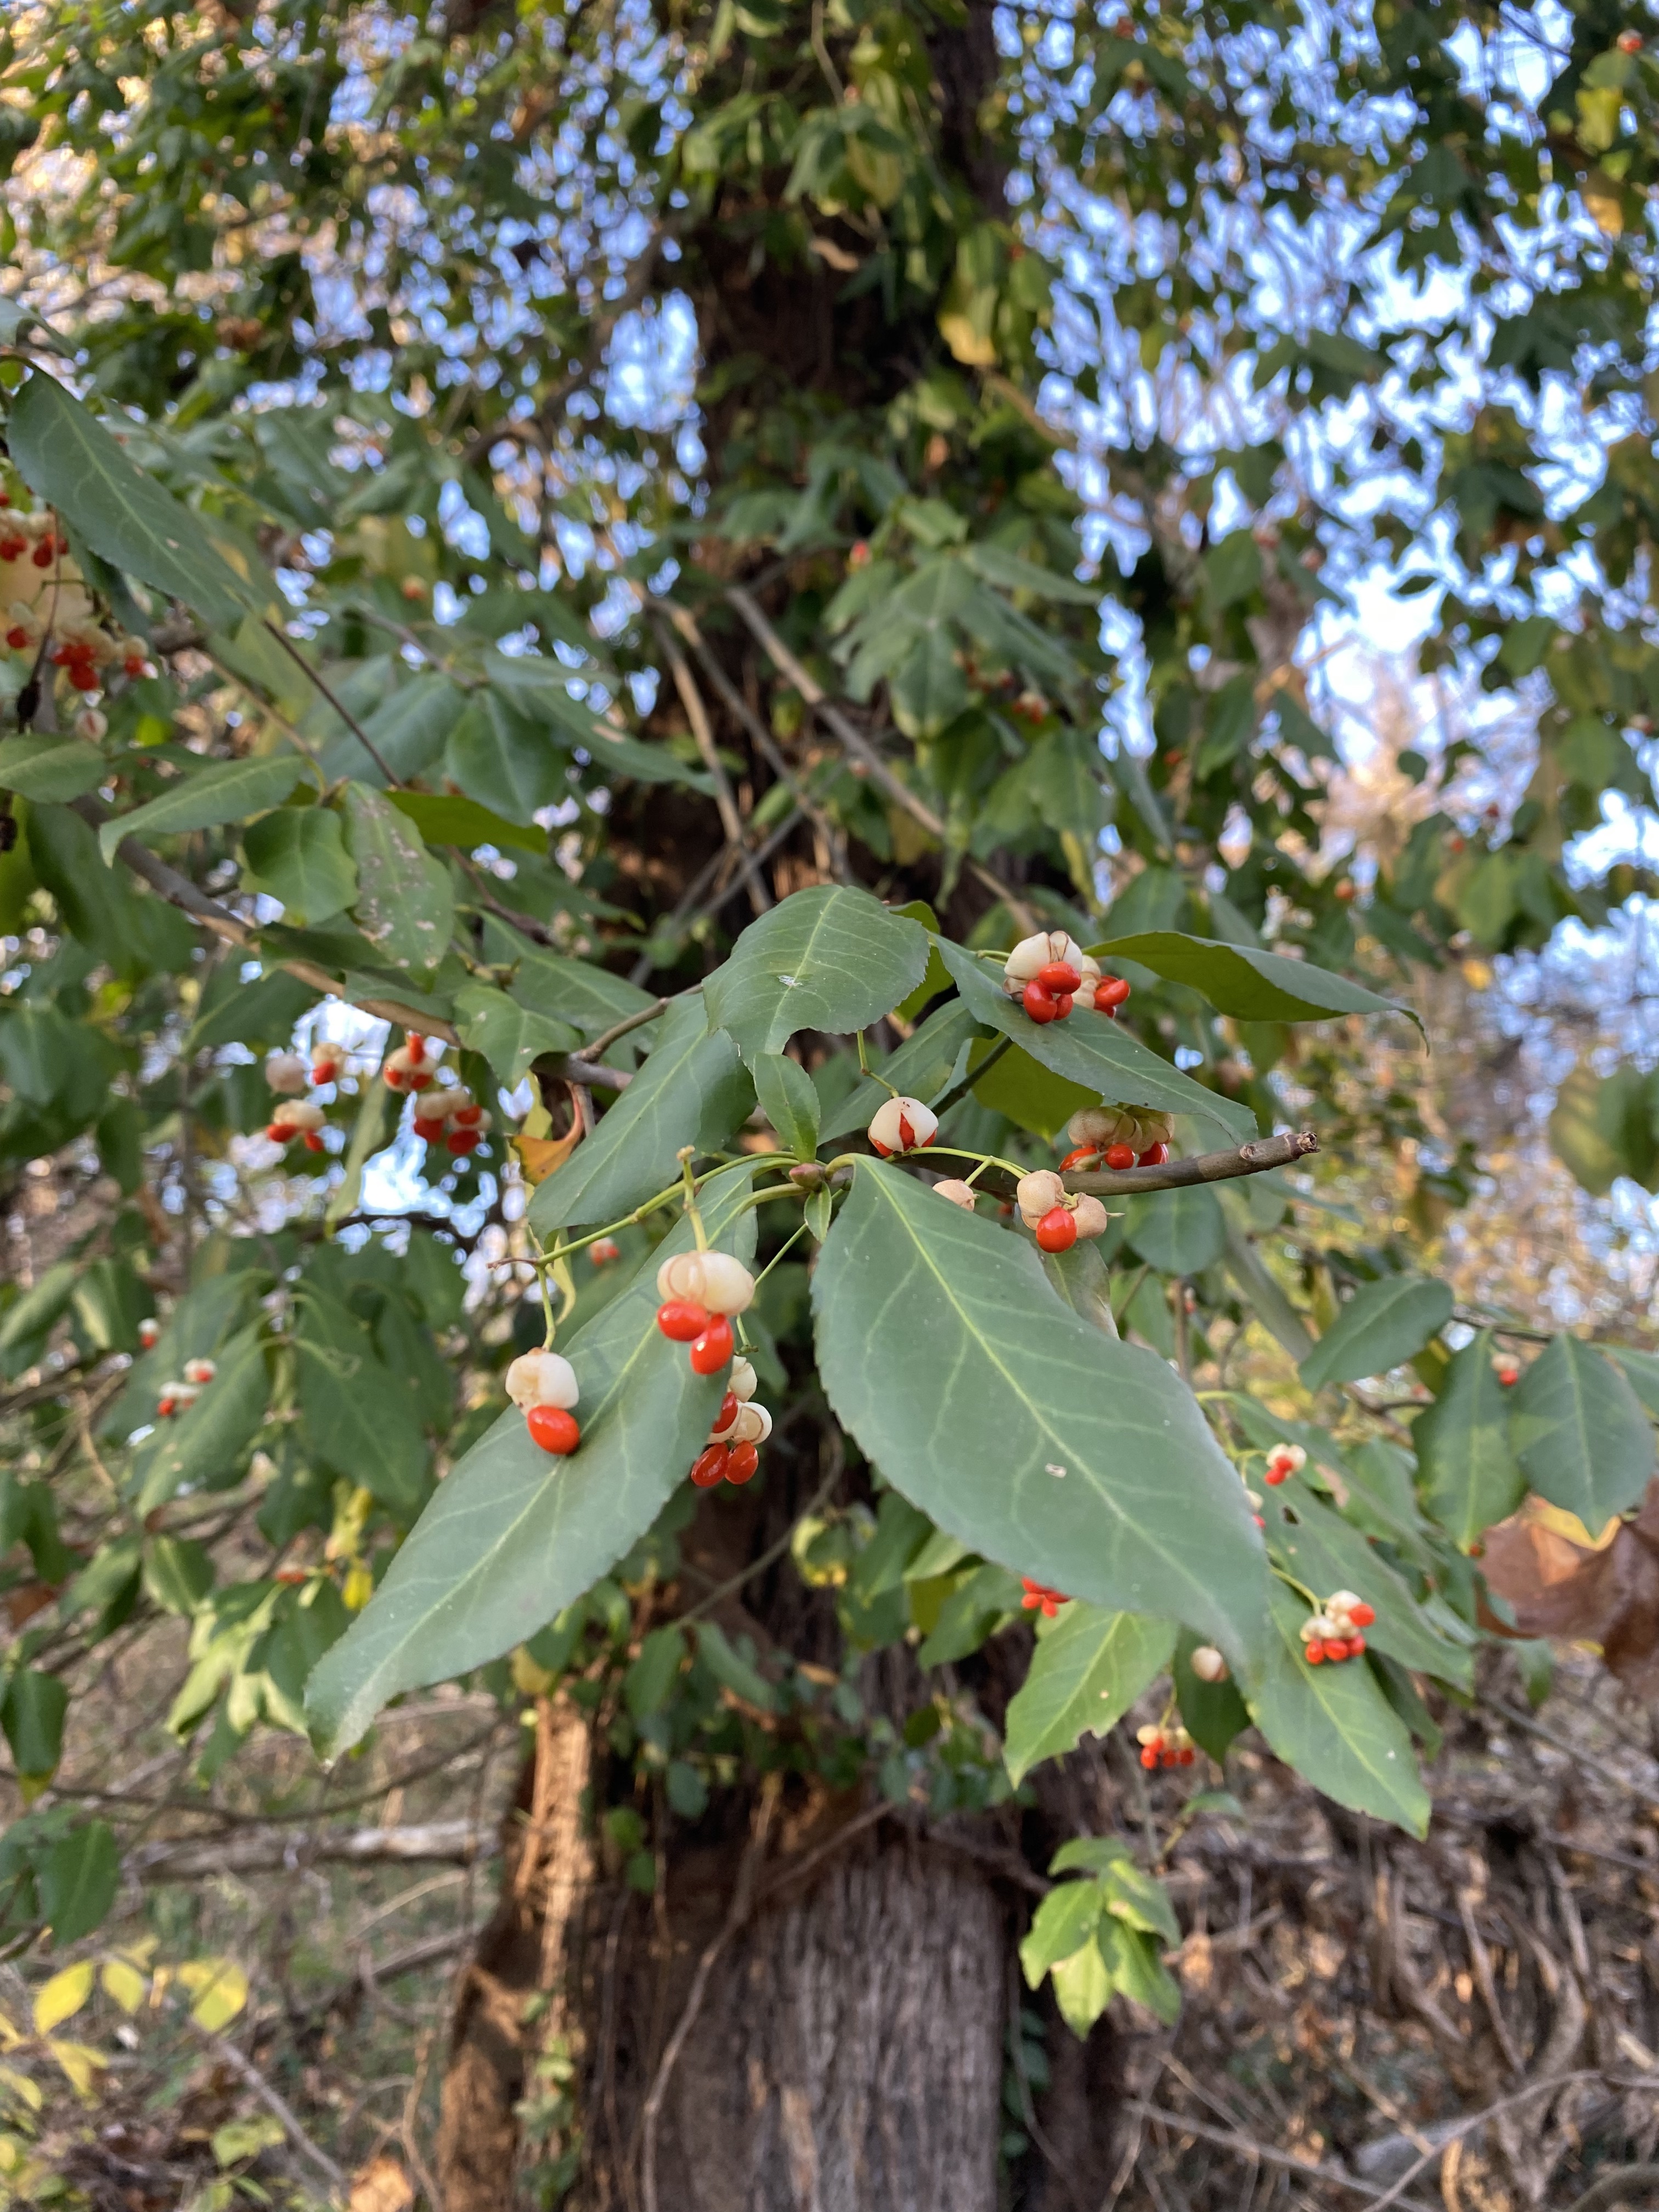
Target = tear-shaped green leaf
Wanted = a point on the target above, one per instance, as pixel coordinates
(1251, 985)
(829, 958)
(224, 791)
(511, 1537)
(789, 1101)
(1087, 1670)
(49, 767)
(1179, 1232)
(1383, 1325)
(1314, 1542)
(508, 1034)
(297, 854)
(1334, 1726)
(404, 906)
(1580, 1432)
(1018, 1428)
(1465, 1459)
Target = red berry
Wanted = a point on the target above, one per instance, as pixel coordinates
(1628, 42)
(1345, 891)
(1062, 1005)
(906, 1134)
(1356, 1645)
(278, 1132)
(1080, 1158)
(727, 1414)
(43, 554)
(709, 1466)
(553, 1429)
(713, 1350)
(1111, 991)
(1185, 1757)
(83, 675)
(1154, 1156)
(17, 638)
(1059, 976)
(133, 665)
(1149, 1757)
(605, 1252)
(682, 1319)
(1120, 1156)
(314, 1140)
(427, 1130)
(1315, 1653)
(741, 1463)
(11, 547)
(1057, 1231)
(1363, 1615)
(1039, 1004)
(463, 1141)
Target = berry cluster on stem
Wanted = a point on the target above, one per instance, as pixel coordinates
(1161, 1744)
(740, 1428)
(1333, 1632)
(1049, 973)
(1117, 1137)
(1039, 1598)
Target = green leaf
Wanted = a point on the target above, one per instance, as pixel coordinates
(65, 454)
(1140, 1901)
(1018, 1427)
(1087, 1670)
(1580, 1432)
(49, 767)
(1317, 1546)
(1179, 1232)
(207, 1443)
(1383, 1325)
(1134, 1970)
(378, 1112)
(788, 1101)
(1212, 1713)
(445, 819)
(508, 1034)
(1064, 1922)
(511, 1537)
(357, 1416)
(591, 999)
(32, 1713)
(1031, 1096)
(1334, 1726)
(404, 907)
(1640, 1370)
(731, 1670)
(224, 791)
(1087, 1050)
(178, 1573)
(831, 958)
(504, 763)
(1083, 1987)
(649, 1682)
(689, 1091)
(297, 854)
(1251, 985)
(1465, 1462)
(78, 1878)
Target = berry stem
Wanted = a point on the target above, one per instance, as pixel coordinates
(1300, 1588)
(864, 1064)
(689, 1182)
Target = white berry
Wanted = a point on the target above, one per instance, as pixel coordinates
(285, 1074)
(542, 1378)
(1038, 1194)
(902, 1125)
(959, 1194)
(740, 1380)
(1208, 1664)
(1090, 1217)
(199, 1370)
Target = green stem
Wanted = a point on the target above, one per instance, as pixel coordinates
(1300, 1588)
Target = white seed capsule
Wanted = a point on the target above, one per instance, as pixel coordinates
(1033, 954)
(752, 1426)
(902, 1125)
(727, 1285)
(435, 1105)
(1090, 1217)
(681, 1277)
(1343, 1602)
(1094, 1125)
(89, 723)
(959, 1194)
(199, 1370)
(542, 1378)
(1038, 1194)
(740, 1380)
(298, 1113)
(1208, 1664)
(285, 1074)
(1317, 1624)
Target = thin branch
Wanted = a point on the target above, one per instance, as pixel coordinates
(1257, 1157)
(1246, 2147)
(603, 1041)
(239, 2062)
(344, 713)
(853, 741)
(697, 713)
(1466, 2127)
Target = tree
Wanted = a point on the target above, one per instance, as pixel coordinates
(686, 771)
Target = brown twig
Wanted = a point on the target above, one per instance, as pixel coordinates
(314, 677)
(702, 730)
(1607, 2190)
(239, 2062)
(1466, 2127)
(1256, 1157)
(1248, 2147)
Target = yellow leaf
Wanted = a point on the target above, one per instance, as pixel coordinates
(62, 1998)
(218, 1988)
(974, 348)
(382, 2186)
(10, 2035)
(123, 1981)
(30, 2092)
(80, 2063)
(530, 1680)
(358, 1588)
(539, 1156)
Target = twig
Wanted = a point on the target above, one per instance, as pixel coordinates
(1256, 1157)
(1604, 2192)
(1246, 2147)
(959, 1090)
(687, 904)
(742, 1898)
(239, 2062)
(854, 742)
(702, 730)
(345, 715)
(636, 1021)
(1466, 2127)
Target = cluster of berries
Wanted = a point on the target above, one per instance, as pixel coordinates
(180, 1397)
(1507, 1368)
(409, 1067)
(543, 1387)
(1054, 1215)
(1283, 1462)
(1049, 973)
(902, 1125)
(1039, 1598)
(741, 1427)
(288, 1075)
(449, 1113)
(1164, 1747)
(700, 1292)
(43, 592)
(1333, 1632)
(1117, 1137)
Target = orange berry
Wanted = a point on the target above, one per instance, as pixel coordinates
(553, 1429)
